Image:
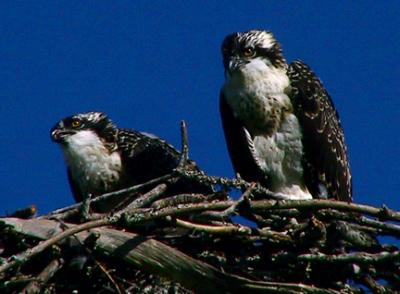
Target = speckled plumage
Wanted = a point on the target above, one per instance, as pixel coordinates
(102, 158)
(323, 134)
(270, 132)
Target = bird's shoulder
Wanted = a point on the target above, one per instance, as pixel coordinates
(133, 143)
(140, 149)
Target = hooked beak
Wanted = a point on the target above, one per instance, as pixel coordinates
(58, 135)
(233, 64)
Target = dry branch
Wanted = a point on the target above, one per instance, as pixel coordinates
(367, 258)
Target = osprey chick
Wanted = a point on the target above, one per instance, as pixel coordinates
(102, 158)
(280, 124)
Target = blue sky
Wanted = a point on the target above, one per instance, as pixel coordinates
(151, 64)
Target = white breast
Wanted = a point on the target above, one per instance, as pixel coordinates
(92, 165)
(280, 156)
(257, 97)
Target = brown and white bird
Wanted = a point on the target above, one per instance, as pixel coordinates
(280, 124)
(102, 158)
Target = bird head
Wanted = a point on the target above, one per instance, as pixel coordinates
(83, 125)
(255, 46)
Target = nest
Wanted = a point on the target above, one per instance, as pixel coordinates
(158, 243)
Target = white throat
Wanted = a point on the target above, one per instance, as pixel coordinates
(92, 165)
(256, 92)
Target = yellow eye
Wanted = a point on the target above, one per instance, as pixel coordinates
(248, 52)
(76, 123)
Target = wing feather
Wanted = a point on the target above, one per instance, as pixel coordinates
(240, 146)
(76, 192)
(325, 159)
(146, 157)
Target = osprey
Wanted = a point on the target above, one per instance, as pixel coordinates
(102, 158)
(280, 124)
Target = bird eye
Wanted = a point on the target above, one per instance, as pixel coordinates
(248, 52)
(76, 123)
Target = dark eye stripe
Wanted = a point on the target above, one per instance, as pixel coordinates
(274, 54)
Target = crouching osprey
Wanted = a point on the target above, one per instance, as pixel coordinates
(102, 158)
(280, 124)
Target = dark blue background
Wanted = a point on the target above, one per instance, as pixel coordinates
(149, 64)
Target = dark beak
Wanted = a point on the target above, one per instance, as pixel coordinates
(233, 63)
(58, 135)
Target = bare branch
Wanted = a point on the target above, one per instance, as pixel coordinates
(352, 257)
(230, 211)
(228, 183)
(317, 204)
(380, 226)
(178, 200)
(68, 211)
(220, 230)
(147, 198)
(185, 146)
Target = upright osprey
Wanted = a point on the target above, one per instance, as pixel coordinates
(280, 124)
(102, 158)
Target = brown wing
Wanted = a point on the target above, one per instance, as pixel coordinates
(146, 157)
(325, 158)
(74, 187)
(240, 146)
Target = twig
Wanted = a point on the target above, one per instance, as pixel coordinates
(276, 287)
(178, 200)
(136, 188)
(366, 258)
(36, 285)
(140, 215)
(261, 206)
(17, 282)
(230, 211)
(227, 183)
(273, 237)
(185, 146)
(317, 204)
(220, 230)
(110, 277)
(236, 230)
(146, 199)
(90, 241)
(374, 286)
(382, 228)
(73, 209)
(85, 207)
